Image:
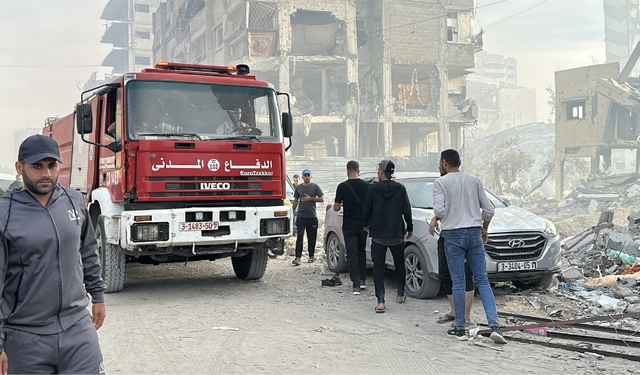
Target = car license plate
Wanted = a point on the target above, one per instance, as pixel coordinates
(202, 225)
(516, 266)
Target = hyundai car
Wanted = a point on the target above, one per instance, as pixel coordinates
(523, 248)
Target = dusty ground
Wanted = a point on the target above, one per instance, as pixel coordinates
(174, 319)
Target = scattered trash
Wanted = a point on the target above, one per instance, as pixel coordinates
(334, 281)
(225, 329)
(542, 331)
(609, 303)
(575, 288)
(628, 259)
(321, 269)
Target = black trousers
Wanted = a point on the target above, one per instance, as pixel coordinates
(74, 351)
(354, 241)
(378, 255)
(445, 276)
(310, 224)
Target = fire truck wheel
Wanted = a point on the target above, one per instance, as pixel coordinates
(252, 265)
(112, 259)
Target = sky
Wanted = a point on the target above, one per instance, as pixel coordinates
(49, 48)
(556, 35)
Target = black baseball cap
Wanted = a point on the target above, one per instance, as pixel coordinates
(38, 147)
(388, 167)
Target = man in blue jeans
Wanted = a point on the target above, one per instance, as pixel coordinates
(461, 203)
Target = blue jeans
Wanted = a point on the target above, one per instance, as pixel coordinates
(461, 243)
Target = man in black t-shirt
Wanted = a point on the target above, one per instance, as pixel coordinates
(350, 195)
(306, 196)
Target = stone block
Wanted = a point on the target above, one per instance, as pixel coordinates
(617, 241)
(571, 274)
(632, 299)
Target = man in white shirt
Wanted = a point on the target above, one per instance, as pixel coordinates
(461, 203)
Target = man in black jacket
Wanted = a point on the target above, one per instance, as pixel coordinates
(48, 263)
(385, 205)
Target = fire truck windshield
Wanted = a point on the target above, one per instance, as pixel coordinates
(160, 110)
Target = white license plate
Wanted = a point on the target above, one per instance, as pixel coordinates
(516, 266)
(203, 225)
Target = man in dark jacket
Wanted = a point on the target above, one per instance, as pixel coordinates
(46, 275)
(385, 205)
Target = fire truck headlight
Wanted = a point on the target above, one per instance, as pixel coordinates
(272, 227)
(150, 232)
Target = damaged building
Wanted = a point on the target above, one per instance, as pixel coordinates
(597, 114)
(367, 78)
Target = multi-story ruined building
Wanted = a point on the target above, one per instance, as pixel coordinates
(367, 78)
(128, 29)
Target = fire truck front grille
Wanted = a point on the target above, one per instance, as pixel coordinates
(210, 186)
(215, 178)
(209, 194)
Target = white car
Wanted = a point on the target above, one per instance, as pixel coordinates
(523, 247)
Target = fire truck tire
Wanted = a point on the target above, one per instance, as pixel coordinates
(252, 265)
(112, 259)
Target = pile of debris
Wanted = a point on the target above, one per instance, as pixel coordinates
(605, 190)
(601, 266)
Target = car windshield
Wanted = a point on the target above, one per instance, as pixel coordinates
(420, 193)
(161, 110)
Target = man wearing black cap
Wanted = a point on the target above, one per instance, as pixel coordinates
(306, 196)
(45, 276)
(387, 217)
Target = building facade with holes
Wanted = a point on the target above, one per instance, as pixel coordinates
(367, 78)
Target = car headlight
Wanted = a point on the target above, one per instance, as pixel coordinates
(551, 229)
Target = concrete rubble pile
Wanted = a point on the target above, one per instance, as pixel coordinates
(601, 268)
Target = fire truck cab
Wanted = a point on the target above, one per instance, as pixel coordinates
(180, 163)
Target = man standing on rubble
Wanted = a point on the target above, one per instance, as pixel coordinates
(460, 202)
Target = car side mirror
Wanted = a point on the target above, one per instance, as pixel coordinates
(287, 125)
(505, 199)
(84, 118)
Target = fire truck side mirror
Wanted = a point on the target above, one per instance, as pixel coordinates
(287, 125)
(84, 120)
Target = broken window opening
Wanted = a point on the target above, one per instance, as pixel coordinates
(142, 8)
(361, 31)
(575, 110)
(452, 27)
(219, 37)
(236, 21)
(143, 60)
(143, 34)
(316, 33)
(413, 90)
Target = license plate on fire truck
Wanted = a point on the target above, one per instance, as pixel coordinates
(516, 266)
(203, 225)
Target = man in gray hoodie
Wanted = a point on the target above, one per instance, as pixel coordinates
(48, 263)
(386, 209)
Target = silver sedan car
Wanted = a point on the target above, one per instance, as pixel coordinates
(523, 247)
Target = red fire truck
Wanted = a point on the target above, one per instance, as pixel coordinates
(180, 163)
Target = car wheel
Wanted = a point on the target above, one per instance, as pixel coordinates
(336, 255)
(418, 284)
(543, 283)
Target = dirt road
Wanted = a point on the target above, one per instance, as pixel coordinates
(200, 319)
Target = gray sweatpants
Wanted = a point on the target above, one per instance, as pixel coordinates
(74, 351)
